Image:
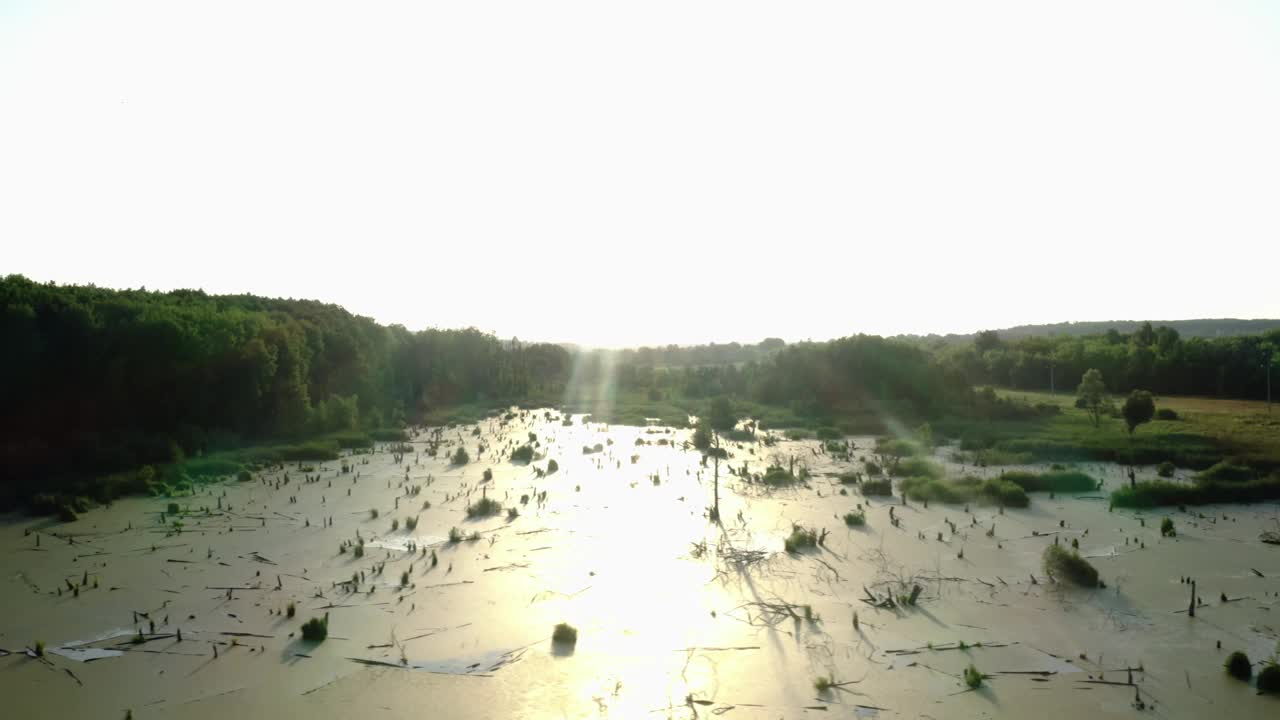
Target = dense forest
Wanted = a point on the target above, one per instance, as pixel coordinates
(1156, 359)
(99, 380)
(1202, 327)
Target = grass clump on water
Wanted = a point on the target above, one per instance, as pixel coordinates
(484, 507)
(777, 475)
(1062, 563)
(1269, 678)
(883, 486)
(973, 677)
(1238, 666)
(1058, 481)
(800, 538)
(315, 629)
(564, 634)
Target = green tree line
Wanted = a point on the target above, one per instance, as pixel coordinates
(97, 380)
(1154, 359)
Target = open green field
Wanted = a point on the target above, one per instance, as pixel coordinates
(1206, 431)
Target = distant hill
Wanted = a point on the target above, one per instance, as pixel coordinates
(1206, 328)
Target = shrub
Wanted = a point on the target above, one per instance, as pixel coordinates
(315, 630)
(291, 609)
(997, 456)
(411, 523)
(877, 487)
(1004, 493)
(513, 513)
(210, 467)
(1163, 492)
(484, 507)
(1166, 414)
(778, 475)
(919, 467)
(1167, 529)
(351, 440)
(1165, 470)
(973, 678)
(1269, 678)
(1060, 562)
(829, 433)
(455, 535)
(522, 454)
(1053, 481)
(1226, 471)
(800, 538)
(564, 634)
(849, 478)
(1238, 666)
(923, 489)
(388, 435)
(39, 648)
(871, 468)
(460, 457)
(243, 476)
(798, 434)
(172, 509)
(552, 466)
(855, 519)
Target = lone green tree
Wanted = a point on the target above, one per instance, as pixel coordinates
(1093, 393)
(1138, 408)
(721, 414)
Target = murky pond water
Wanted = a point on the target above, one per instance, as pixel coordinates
(676, 616)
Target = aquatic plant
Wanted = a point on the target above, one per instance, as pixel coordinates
(800, 537)
(1269, 678)
(1060, 562)
(877, 487)
(315, 630)
(484, 507)
(564, 634)
(1238, 666)
(973, 677)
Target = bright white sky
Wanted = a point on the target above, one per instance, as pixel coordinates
(649, 172)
